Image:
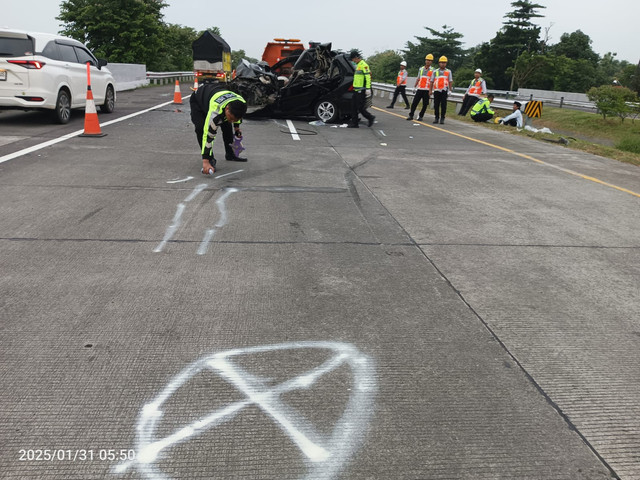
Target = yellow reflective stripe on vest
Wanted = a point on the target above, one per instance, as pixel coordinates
(425, 78)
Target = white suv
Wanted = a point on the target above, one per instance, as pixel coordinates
(44, 71)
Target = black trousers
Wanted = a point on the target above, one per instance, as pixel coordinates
(513, 122)
(440, 103)
(400, 90)
(420, 95)
(468, 102)
(358, 106)
(199, 116)
(481, 117)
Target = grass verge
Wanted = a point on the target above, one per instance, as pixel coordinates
(587, 132)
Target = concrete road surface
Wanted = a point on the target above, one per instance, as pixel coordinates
(408, 301)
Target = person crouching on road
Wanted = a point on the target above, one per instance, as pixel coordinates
(361, 85)
(441, 82)
(401, 86)
(481, 111)
(213, 106)
(514, 119)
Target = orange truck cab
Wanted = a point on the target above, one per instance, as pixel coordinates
(279, 50)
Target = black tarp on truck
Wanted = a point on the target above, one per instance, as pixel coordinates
(211, 54)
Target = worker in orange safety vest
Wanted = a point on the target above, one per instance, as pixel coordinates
(477, 88)
(422, 86)
(401, 86)
(441, 84)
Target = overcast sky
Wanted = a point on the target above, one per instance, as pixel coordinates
(372, 26)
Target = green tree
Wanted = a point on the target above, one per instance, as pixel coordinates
(518, 35)
(385, 66)
(127, 31)
(576, 46)
(634, 80)
(612, 100)
(447, 43)
(175, 53)
(610, 68)
(574, 75)
(533, 70)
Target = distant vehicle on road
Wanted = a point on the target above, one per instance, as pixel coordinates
(46, 71)
(211, 58)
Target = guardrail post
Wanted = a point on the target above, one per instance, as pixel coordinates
(561, 101)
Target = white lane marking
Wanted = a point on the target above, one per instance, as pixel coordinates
(292, 129)
(180, 181)
(382, 133)
(326, 456)
(222, 208)
(48, 143)
(177, 218)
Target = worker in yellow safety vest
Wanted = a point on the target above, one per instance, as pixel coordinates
(477, 89)
(481, 111)
(441, 83)
(213, 106)
(401, 86)
(361, 90)
(421, 87)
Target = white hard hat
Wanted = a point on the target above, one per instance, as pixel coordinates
(478, 70)
(403, 63)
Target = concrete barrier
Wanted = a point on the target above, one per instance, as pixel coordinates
(128, 76)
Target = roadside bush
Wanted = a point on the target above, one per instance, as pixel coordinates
(614, 101)
(629, 144)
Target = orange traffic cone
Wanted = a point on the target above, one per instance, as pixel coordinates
(195, 84)
(91, 124)
(177, 96)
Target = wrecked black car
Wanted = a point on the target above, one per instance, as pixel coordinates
(320, 86)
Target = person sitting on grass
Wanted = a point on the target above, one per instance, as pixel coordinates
(514, 119)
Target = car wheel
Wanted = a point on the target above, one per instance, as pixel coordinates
(62, 112)
(327, 111)
(109, 104)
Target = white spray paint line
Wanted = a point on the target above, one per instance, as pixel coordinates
(382, 133)
(230, 173)
(325, 462)
(181, 180)
(222, 208)
(177, 218)
(48, 143)
(292, 129)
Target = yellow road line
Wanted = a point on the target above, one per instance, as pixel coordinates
(508, 150)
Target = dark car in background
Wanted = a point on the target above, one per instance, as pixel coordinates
(320, 86)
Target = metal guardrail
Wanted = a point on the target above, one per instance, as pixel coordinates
(162, 78)
(503, 99)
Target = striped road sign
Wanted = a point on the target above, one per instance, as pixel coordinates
(533, 109)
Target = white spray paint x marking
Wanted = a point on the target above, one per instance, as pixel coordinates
(222, 208)
(324, 457)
